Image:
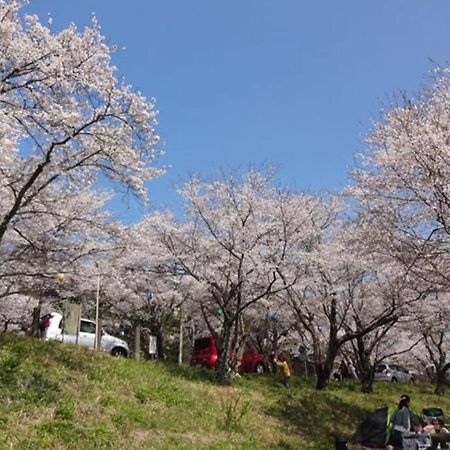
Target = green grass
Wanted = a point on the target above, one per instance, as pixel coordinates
(62, 397)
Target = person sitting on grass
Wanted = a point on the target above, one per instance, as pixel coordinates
(435, 426)
(284, 369)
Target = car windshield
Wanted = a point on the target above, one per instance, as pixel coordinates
(380, 368)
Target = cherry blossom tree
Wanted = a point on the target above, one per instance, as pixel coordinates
(239, 235)
(339, 299)
(66, 123)
(144, 287)
(383, 297)
(47, 242)
(64, 115)
(391, 338)
(402, 184)
(403, 194)
(15, 312)
(431, 324)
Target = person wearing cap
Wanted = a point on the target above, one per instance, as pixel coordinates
(401, 422)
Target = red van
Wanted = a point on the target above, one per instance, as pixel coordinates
(206, 354)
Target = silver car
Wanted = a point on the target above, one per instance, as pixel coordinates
(393, 373)
(52, 329)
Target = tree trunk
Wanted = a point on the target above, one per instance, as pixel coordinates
(441, 381)
(223, 368)
(365, 368)
(274, 349)
(324, 369)
(322, 379)
(35, 330)
(159, 344)
(367, 382)
(323, 373)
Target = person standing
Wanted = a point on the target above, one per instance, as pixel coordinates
(401, 422)
(283, 365)
(343, 370)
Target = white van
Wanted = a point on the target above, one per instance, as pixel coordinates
(52, 329)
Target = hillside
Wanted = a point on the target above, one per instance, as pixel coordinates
(62, 397)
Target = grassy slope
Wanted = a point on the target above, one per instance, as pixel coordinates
(61, 397)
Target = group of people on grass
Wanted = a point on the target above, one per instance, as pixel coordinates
(403, 420)
(345, 371)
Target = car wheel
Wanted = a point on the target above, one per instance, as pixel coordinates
(393, 380)
(260, 369)
(119, 352)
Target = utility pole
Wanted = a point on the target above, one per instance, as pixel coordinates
(98, 334)
(137, 342)
(180, 346)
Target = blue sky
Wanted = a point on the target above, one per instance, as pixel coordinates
(287, 82)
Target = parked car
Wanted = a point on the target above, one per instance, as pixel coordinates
(206, 354)
(393, 373)
(52, 329)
